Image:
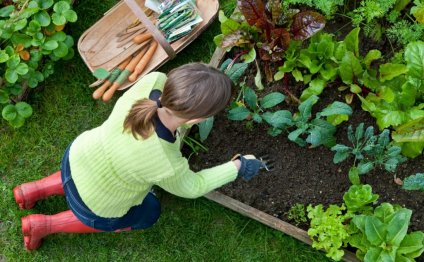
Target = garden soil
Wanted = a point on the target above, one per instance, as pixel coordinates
(302, 175)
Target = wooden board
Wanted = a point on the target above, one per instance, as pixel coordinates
(100, 40)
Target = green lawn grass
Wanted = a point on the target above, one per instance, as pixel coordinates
(188, 230)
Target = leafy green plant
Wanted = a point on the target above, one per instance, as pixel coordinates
(411, 136)
(317, 131)
(383, 235)
(418, 11)
(415, 182)
(370, 150)
(31, 40)
(194, 144)
(327, 7)
(268, 30)
(254, 109)
(359, 197)
(297, 214)
(328, 229)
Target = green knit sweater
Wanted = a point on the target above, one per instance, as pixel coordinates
(113, 171)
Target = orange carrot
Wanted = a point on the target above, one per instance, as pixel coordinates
(138, 39)
(99, 91)
(124, 75)
(143, 62)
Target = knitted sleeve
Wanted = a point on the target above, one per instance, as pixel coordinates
(188, 184)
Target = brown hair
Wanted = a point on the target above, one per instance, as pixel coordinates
(191, 91)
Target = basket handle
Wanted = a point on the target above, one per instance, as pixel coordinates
(157, 35)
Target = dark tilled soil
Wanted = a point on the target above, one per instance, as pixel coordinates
(302, 175)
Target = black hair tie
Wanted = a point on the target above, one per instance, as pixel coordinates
(158, 103)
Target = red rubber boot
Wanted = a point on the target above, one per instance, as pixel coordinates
(26, 195)
(36, 227)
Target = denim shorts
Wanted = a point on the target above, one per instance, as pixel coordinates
(141, 216)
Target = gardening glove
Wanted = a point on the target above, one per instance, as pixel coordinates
(249, 166)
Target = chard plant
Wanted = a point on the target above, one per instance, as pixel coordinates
(32, 39)
(414, 182)
(265, 30)
(249, 107)
(369, 151)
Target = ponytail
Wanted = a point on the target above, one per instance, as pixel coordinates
(140, 118)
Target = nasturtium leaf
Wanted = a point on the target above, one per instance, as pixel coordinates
(45, 4)
(3, 56)
(352, 41)
(306, 24)
(11, 76)
(414, 182)
(389, 71)
(17, 122)
(61, 6)
(21, 69)
(50, 45)
(272, 99)
(20, 24)
(43, 18)
(238, 113)
(70, 54)
(4, 97)
(69, 41)
(58, 19)
(34, 4)
(205, 127)
(9, 112)
(414, 57)
(61, 50)
(23, 109)
(70, 16)
(7, 10)
(23, 39)
(58, 36)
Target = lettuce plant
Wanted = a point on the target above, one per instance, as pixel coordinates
(359, 197)
(382, 236)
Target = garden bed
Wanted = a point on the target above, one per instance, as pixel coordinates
(302, 175)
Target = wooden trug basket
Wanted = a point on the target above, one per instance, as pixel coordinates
(98, 44)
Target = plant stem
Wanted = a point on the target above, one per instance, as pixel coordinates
(290, 94)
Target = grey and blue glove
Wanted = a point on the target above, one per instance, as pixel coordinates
(249, 167)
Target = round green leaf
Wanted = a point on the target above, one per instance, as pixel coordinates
(23, 109)
(58, 36)
(32, 82)
(70, 54)
(11, 76)
(61, 50)
(33, 4)
(45, 4)
(17, 122)
(4, 97)
(69, 41)
(7, 10)
(50, 45)
(3, 56)
(43, 18)
(9, 112)
(22, 69)
(21, 39)
(70, 15)
(58, 19)
(14, 89)
(61, 7)
(20, 24)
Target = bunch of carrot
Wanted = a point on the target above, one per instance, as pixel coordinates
(129, 69)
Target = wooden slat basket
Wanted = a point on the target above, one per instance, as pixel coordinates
(99, 47)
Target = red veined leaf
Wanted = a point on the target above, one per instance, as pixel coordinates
(265, 52)
(254, 12)
(234, 39)
(281, 38)
(306, 24)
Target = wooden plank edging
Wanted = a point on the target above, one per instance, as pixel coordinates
(268, 220)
